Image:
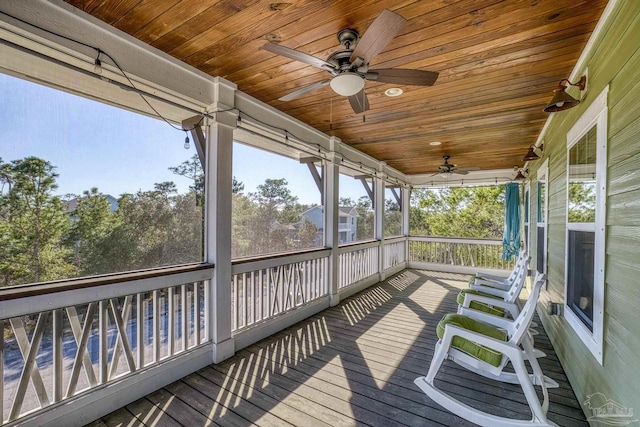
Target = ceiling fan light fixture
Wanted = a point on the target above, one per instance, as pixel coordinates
(347, 84)
(393, 91)
(446, 175)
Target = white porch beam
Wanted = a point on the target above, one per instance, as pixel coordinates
(218, 199)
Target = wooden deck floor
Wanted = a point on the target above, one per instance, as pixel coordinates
(351, 365)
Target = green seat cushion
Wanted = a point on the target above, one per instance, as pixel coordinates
(480, 306)
(483, 353)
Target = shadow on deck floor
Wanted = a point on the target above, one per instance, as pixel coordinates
(353, 364)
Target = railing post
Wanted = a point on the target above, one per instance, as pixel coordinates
(331, 209)
(218, 217)
(379, 216)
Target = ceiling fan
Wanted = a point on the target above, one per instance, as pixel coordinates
(349, 67)
(447, 169)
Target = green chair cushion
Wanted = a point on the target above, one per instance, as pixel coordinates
(480, 306)
(483, 353)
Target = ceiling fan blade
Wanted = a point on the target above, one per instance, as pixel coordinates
(304, 90)
(359, 102)
(381, 31)
(298, 56)
(459, 171)
(403, 76)
(472, 168)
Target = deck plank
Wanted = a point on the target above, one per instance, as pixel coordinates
(351, 365)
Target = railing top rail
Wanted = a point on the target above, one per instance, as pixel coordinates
(357, 246)
(257, 263)
(394, 239)
(36, 299)
(455, 240)
(45, 288)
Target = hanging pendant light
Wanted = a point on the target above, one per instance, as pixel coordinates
(561, 99)
(531, 155)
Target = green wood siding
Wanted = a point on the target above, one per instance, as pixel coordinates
(615, 61)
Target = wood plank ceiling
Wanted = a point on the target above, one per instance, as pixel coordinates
(499, 61)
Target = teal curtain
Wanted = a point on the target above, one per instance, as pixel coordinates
(511, 239)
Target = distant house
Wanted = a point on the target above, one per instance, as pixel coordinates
(72, 204)
(347, 222)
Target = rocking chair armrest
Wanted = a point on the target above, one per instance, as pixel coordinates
(509, 306)
(490, 290)
(491, 277)
(490, 319)
(504, 347)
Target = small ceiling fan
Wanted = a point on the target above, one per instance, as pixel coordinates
(447, 169)
(349, 67)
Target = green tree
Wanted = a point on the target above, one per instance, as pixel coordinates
(271, 199)
(582, 202)
(192, 169)
(34, 224)
(473, 212)
(392, 218)
(308, 235)
(366, 220)
(94, 222)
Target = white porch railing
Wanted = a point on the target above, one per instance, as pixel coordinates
(458, 252)
(64, 339)
(394, 251)
(263, 288)
(357, 262)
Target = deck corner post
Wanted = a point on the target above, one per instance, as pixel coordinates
(378, 208)
(218, 173)
(331, 203)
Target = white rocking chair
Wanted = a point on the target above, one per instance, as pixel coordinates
(501, 282)
(491, 356)
(492, 300)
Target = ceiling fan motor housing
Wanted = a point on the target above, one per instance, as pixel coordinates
(348, 38)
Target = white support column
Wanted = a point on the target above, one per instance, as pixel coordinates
(331, 210)
(405, 199)
(378, 208)
(218, 218)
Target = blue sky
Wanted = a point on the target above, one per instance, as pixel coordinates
(97, 145)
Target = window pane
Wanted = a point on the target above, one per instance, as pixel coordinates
(541, 210)
(582, 179)
(540, 250)
(114, 190)
(392, 214)
(580, 277)
(276, 204)
(356, 220)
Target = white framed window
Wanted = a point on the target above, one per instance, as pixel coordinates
(541, 225)
(585, 236)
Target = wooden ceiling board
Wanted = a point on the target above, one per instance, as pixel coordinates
(146, 11)
(498, 60)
